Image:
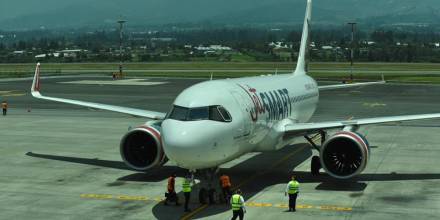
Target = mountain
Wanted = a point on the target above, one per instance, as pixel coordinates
(25, 14)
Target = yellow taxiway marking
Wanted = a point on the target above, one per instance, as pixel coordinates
(10, 93)
(372, 105)
(5, 92)
(14, 94)
(248, 204)
(120, 197)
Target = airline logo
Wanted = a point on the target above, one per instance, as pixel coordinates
(276, 103)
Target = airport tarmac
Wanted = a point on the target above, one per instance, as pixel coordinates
(62, 162)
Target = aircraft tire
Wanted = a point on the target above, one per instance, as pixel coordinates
(315, 165)
(203, 196)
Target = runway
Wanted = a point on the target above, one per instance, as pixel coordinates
(62, 162)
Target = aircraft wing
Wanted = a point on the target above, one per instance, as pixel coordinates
(313, 127)
(342, 86)
(35, 91)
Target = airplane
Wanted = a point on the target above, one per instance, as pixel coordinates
(216, 121)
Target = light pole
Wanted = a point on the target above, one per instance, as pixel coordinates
(121, 23)
(353, 26)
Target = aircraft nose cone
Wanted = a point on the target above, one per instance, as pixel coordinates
(183, 144)
(175, 136)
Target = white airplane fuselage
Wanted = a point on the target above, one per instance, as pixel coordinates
(257, 106)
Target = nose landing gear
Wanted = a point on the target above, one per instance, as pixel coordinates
(208, 185)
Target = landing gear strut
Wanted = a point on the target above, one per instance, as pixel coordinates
(207, 185)
(316, 162)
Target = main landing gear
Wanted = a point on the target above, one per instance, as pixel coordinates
(315, 165)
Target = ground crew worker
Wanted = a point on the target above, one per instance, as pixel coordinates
(171, 194)
(237, 203)
(4, 107)
(225, 183)
(186, 188)
(292, 189)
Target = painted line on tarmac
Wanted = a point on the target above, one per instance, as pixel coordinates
(2, 92)
(253, 177)
(373, 105)
(121, 197)
(11, 93)
(248, 204)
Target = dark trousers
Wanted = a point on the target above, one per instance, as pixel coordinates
(187, 197)
(226, 193)
(4, 111)
(171, 197)
(292, 201)
(239, 213)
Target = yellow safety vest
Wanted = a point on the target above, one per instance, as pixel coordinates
(236, 202)
(293, 187)
(186, 185)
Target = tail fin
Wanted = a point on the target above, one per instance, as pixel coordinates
(302, 64)
(36, 82)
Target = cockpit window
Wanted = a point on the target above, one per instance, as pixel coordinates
(214, 113)
(225, 114)
(196, 114)
(179, 113)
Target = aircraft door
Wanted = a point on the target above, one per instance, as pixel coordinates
(245, 107)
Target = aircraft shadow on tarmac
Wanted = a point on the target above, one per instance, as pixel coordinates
(247, 168)
(155, 175)
(259, 169)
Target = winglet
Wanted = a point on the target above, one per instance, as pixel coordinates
(302, 65)
(36, 82)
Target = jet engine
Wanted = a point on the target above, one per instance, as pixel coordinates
(345, 154)
(141, 148)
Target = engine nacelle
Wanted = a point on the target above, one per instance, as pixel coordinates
(141, 148)
(345, 154)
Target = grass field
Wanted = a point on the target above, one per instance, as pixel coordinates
(400, 72)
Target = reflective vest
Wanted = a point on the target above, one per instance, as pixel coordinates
(186, 185)
(4, 105)
(225, 181)
(171, 182)
(293, 187)
(236, 202)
